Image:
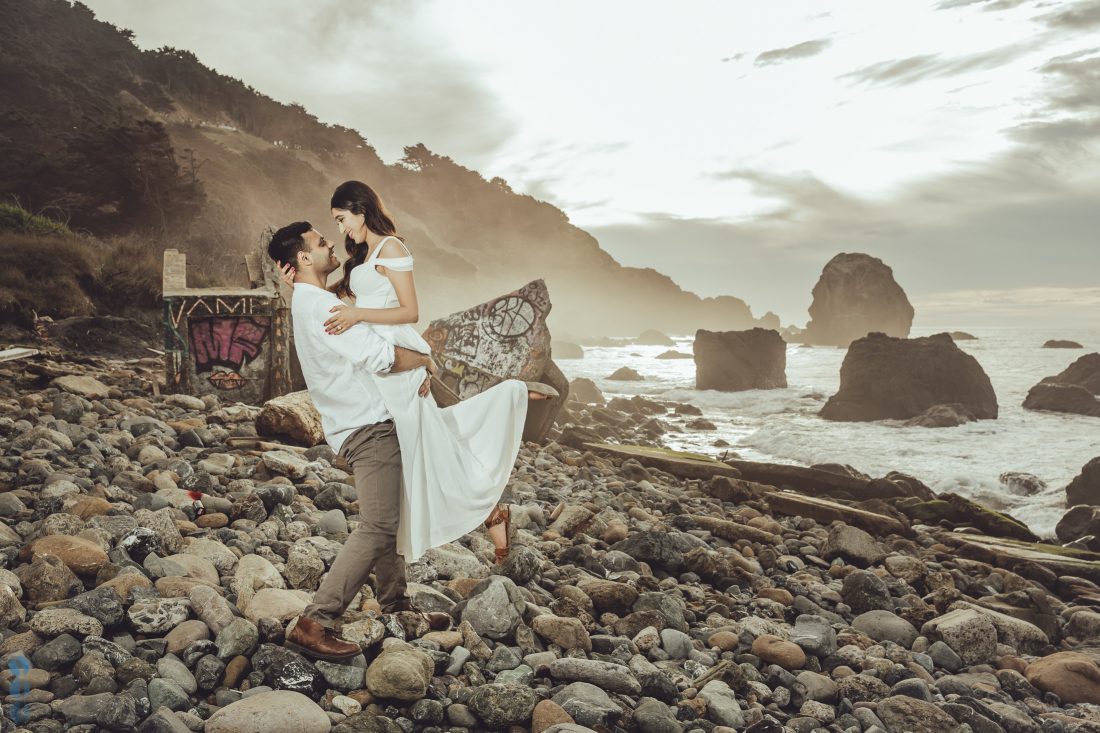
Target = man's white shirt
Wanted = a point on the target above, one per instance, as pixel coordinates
(338, 367)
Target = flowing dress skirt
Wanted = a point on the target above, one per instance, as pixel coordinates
(456, 460)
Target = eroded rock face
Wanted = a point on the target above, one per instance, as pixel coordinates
(1076, 389)
(886, 378)
(857, 295)
(1085, 486)
(737, 360)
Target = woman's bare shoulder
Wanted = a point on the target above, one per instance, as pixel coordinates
(394, 247)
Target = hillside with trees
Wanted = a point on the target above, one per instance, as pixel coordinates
(153, 146)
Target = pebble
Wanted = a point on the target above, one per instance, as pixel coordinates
(773, 650)
(278, 711)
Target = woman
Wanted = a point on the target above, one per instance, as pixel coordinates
(456, 460)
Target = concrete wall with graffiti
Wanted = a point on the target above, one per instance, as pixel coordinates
(225, 341)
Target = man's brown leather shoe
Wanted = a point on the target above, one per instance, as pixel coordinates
(437, 620)
(310, 637)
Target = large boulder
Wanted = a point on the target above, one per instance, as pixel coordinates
(292, 415)
(1076, 389)
(541, 414)
(504, 338)
(585, 390)
(1085, 486)
(731, 361)
(653, 337)
(1062, 398)
(883, 378)
(1080, 522)
(856, 295)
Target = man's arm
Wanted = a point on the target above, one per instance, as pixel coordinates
(406, 359)
(361, 345)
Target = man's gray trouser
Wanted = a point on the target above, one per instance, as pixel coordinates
(375, 458)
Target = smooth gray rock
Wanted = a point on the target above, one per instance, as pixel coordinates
(588, 704)
(814, 635)
(608, 676)
(883, 625)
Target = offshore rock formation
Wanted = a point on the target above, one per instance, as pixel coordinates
(1076, 389)
(731, 361)
(856, 295)
(886, 378)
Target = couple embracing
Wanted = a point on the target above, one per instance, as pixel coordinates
(424, 475)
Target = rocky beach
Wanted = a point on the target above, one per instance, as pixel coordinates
(154, 549)
(724, 518)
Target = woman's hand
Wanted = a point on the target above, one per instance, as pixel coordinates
(425, 387)
(286, 273)
(345, 318)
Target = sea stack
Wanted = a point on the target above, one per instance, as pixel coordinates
(731, 361)
(856, 295)
(885, 378)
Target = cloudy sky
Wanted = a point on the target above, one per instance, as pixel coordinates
(735, 146)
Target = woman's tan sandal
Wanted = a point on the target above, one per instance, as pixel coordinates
(543, 389)
(500, 514)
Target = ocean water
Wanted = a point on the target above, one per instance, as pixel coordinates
(782, 426)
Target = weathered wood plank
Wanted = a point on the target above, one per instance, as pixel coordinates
(16, 353)
(681, 464)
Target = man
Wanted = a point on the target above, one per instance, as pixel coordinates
(359, 428)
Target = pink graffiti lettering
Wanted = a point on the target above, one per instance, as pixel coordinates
(229, 342)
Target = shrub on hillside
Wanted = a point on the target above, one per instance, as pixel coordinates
(50, 276)
(15, 218)
(129, 276)
(49, 271)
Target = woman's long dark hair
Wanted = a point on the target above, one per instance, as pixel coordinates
(359, 198)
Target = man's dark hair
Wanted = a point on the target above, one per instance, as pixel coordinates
(286, 243)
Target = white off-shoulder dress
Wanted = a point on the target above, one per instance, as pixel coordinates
(455, 460)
